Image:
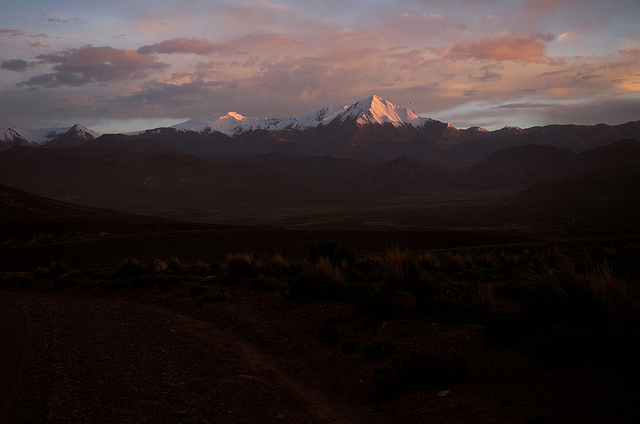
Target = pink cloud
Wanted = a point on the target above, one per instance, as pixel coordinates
(503, 48)
(11, 32)
(267, 41)
(630, 52)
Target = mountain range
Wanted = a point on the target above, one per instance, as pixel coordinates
(369, 155)
(372, 129)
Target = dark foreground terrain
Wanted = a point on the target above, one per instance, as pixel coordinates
(529, 332)
(459, 306)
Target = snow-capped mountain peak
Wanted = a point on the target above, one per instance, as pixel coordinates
(376, 110)
(81, 131)
(9, 135)
(372, 110)
(46, 135)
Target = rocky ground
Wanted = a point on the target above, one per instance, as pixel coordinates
(85, 355)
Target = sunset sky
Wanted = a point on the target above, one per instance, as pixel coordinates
(130, 65)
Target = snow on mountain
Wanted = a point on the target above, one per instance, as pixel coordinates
(80, 131)
(376, 110)
(45, 135)
(372, 110)
(9, 135)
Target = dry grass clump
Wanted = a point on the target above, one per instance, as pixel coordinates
(246, 266)
(572, 311)
(54, 270)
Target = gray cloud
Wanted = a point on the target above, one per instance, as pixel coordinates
(15, 65)
(199, 46)
(77, 67)
(155, 93)
(487, 75)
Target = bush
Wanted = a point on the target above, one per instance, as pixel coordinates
(200, 268)
(569, 312)
(54, 270)
(405, 272)
(330, 251)
(131, 268)
(175, 266)
(456, 263)
(323, 281)
(240, 266)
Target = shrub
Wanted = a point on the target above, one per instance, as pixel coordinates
(456, 263)
(131, 268)
(570, 313)
(323, 281)
(405, 272)
(419, 369)
(175, 266)
(273, 266)
(330, 251)
(200, 268)
(240, 266)
(54, 270)
(155, 266)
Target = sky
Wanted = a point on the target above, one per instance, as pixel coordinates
(126, 65)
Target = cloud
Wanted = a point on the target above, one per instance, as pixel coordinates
(77, 67)
(157, 92)
(630, 52)
(527, 105)
(513, 48)
(15, 65)
(11, 32)
(432, 17)
(199, 46)
(573, 37)
(203, 47)
(486, 76)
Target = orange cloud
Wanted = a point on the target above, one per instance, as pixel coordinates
(503, 48)
(630, 52)
(11, 32)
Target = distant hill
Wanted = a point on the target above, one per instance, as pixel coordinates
(517, 167)
(602, 190)
(172, 183)
(28, 219)
(524, 166)
(128, 142)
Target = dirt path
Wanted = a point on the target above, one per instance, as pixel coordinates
(90, 359)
